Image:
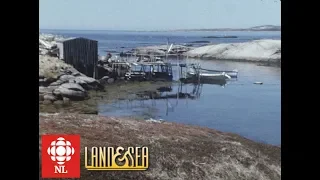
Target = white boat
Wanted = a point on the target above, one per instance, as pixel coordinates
(211, 76)
(208, 76)
(232, 74)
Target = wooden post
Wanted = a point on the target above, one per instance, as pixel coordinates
(94, 71)
(198, 73)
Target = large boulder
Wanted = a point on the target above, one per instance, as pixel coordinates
(72, 91)
(72, 71)
(87, 83)
(85, 80)
(66, 78)
(57, 83)
(72, 86)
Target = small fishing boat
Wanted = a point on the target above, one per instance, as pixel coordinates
(207, 76)
(232, 74)
(210, 76)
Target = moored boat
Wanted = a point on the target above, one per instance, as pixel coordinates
(210, 76)
(193, 73)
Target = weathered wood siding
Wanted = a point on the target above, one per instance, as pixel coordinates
(82, 54)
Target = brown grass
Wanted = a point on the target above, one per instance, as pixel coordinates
(176, 151)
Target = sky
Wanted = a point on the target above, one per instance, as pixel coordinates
(157, 14)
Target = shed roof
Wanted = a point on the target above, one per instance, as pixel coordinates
(73, 38)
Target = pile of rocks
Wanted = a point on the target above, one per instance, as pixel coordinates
(61, 82)
(48, 44)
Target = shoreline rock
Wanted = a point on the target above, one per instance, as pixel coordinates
(48, 43)
(177, 151)
(58, 81)
(160, 50)
(265, 50)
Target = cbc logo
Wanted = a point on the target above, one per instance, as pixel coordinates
(60, 151)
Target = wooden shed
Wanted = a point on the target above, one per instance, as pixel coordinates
(81, 53)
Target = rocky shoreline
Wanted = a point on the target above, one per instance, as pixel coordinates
(265, 50)
(60, 82)
(262, 51)
(177, 151)
(160, 50)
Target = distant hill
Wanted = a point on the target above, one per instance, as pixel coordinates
(256, 28)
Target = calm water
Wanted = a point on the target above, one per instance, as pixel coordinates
(240, 106)
(118, 41)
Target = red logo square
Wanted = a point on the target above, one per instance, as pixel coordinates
(60, 156)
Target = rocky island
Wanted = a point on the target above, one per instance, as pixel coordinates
(264, 50)
(255, 51)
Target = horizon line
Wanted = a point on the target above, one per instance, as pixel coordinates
(67, 29)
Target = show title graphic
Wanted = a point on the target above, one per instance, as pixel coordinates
(110, 158)
(61, 157)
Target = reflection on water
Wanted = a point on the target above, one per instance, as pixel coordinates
(237, 106)
(167, 97)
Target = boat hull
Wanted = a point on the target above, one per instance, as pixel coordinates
(233, 74)
(204, 76)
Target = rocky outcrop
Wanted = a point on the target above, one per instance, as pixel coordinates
(59, 81)
(71, 91)
(265, 50)
(160, 50)
(48, 44)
